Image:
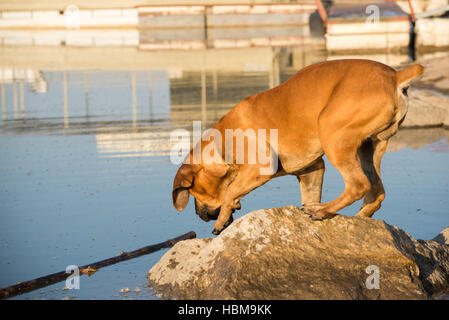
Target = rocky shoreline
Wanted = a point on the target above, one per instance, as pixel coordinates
(281, 253)
(429, 96)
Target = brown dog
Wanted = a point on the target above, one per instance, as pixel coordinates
(345, 109)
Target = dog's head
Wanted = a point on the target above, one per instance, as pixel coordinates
(206, 183)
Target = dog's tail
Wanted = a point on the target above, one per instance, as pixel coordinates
(404, 76)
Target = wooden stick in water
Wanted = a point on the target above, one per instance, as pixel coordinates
(27, 286)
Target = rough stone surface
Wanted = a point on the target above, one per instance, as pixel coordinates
(446, 121)
(416, 138)
(435, 74)
(281, 253)
(443, 237)
(426, 108)
(429, 95)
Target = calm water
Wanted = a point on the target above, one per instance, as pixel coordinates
(84, 170)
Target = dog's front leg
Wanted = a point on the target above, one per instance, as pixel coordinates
(311, 183)
(224, 219)
(247, 179)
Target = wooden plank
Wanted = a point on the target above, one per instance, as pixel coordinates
(387, 10)
(364, 41)
(368, 28)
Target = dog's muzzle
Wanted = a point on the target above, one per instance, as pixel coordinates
(206, 213)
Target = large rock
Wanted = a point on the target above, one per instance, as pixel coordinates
(442, 237)
(429, 95)
(426, 108)
(281, 253)
(416, 138)
(435, 74)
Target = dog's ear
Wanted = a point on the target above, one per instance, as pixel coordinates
(183, 181)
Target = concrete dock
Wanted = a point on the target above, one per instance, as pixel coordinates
(143, 15)
(379, 26)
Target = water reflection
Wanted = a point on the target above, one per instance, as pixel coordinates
(85, 140)
(142, 103)
(417, 138)
(132, 112)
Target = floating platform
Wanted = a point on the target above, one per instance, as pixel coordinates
(225, 16)
(432, 33)
(162, 16)
(185, 39)
(358, 27)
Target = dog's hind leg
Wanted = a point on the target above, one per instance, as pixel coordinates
(341, 144)
(356, 183)
(370, 155)
(311, 183)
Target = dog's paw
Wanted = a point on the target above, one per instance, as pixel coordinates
(230, 220)
(317, 212)
(217, 230)
(322, 215)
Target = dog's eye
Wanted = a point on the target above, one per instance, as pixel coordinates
(404, 91)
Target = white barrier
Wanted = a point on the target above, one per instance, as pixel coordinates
(70, 18)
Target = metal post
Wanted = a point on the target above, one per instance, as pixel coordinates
(412, 12)
(215, 83)
(66, 102)
(22, 100)
(134, 97)
(150, 93)
(3, 100)
(203, 96)
(321, 10)
(15, 98)
(86, 92)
